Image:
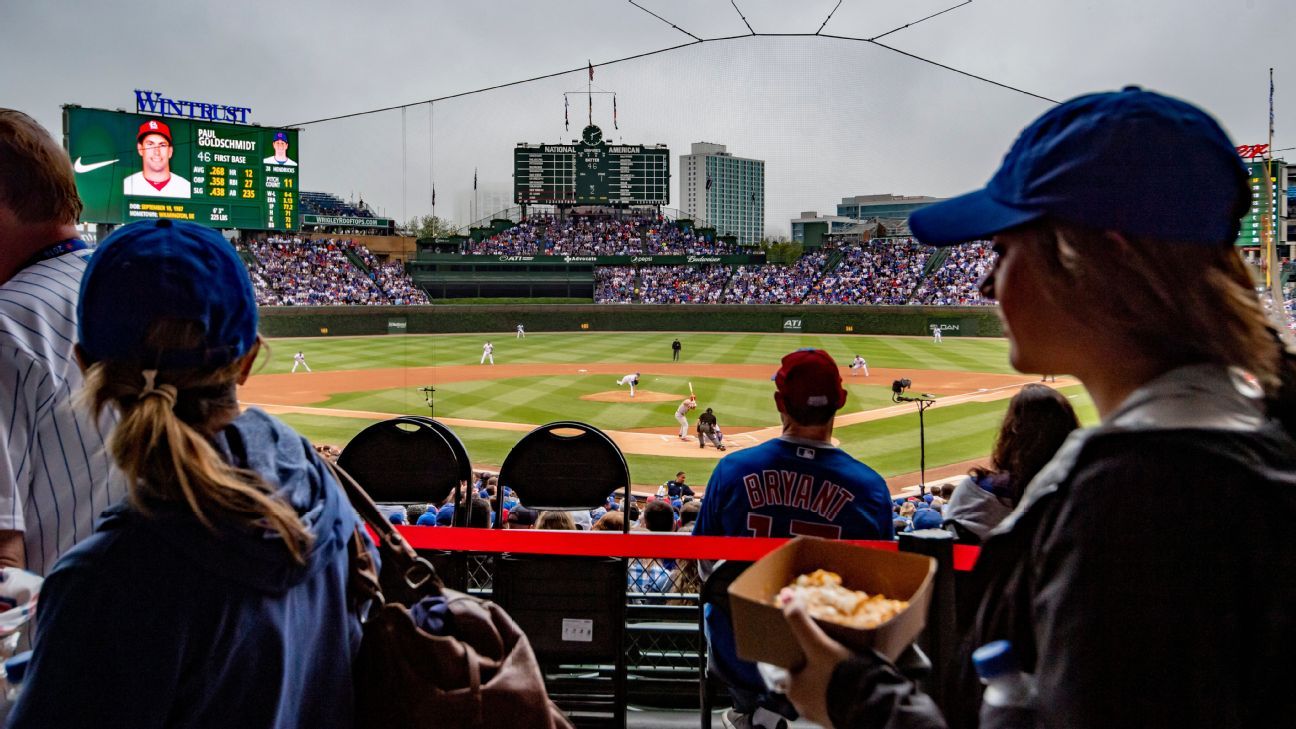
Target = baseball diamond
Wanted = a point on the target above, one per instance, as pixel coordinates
(552, 376)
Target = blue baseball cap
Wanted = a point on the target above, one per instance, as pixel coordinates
(1133, 161)
(927, 519)
(279, 137)
(165, 269)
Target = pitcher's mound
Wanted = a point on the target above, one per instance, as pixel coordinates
(624, 396)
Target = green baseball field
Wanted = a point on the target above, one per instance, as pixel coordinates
(357, 381)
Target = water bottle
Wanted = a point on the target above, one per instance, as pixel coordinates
(1010, 697)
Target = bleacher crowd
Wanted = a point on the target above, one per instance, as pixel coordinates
(577, 235)
(290, 271)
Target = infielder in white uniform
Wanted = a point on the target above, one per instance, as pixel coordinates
(153, 142)
(859, 364)
(631, 379)
(521, 332)
(300, 359)
(689, 403)
(936, 334)
(488, 350)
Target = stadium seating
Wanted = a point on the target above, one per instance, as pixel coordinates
(295, 272)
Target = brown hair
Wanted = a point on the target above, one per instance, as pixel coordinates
(613, 521)
(1039, 418)
(1187, 303)
(161, 445)
(555, 520)
(36, 180)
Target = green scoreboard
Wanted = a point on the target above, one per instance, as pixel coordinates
(591, 172)
(133, 167)
(1266, 202)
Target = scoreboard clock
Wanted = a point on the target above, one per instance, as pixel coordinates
(591, 172)
(133, 167)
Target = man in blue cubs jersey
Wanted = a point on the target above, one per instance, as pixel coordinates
(796, 484)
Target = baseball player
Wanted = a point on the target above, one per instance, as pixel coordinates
(689, 403)
(488, 353)
(859, 364)
(280, 156)
(631, 379)
(936, 333)
(300, 359)
(153, 142)
(521, 332)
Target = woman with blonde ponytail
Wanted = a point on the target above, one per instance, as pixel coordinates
(215, 593)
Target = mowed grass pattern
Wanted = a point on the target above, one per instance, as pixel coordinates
(536, 400)
(954, 434)
(349, 353)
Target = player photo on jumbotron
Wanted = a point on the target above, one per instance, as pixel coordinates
(155, 146)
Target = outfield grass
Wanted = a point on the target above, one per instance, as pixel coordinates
(747, 403)
(322, 353)
(954, 434)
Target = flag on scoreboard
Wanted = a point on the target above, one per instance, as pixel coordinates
(566, 115)
(474, 178)
(591, 69)
(433, 196)
(614, 119)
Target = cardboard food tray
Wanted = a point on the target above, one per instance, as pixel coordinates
(761, 632)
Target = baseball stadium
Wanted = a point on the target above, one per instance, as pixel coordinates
(550, 376)
(649, 364)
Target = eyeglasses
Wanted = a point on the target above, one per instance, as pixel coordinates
(156, 145)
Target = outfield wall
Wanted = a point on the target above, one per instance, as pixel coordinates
(300, 321)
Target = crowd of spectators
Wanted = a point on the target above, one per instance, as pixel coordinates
(290, 271)
(580, 235)
(957, 281)
(682, 284)
(615, 284)
(774, 283)
(872, 272)
(392, 279)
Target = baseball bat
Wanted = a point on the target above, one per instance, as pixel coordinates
(691, 387)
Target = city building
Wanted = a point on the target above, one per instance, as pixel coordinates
(489, 199)
(727, 192)
(810, 228)
(865, 207)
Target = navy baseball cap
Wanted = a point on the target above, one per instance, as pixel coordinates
(1132, 161)
(279, 137)
(164, 269)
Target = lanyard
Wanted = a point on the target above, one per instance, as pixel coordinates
(54, 251)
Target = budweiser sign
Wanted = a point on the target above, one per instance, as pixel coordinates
(1251, 151)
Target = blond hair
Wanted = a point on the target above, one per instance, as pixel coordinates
(1186, 303)
(36, 180)
(160, 444)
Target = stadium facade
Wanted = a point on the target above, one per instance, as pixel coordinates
(727, 192)
(866, 207)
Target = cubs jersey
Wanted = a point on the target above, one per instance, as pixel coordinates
(786, 488)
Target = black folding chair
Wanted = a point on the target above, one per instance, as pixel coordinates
(572, 608)
(413, 460)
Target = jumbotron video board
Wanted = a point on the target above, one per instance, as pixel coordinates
(591, 172)
(133, 167)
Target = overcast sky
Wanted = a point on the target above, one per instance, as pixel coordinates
(831, 118)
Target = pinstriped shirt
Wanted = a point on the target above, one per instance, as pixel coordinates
(54, 472)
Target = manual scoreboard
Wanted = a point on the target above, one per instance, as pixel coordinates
(133, 167)
(591, 172)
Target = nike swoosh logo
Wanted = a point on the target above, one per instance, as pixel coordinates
(80, 168)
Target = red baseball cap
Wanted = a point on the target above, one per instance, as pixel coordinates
(810, 378)
(153, 126)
